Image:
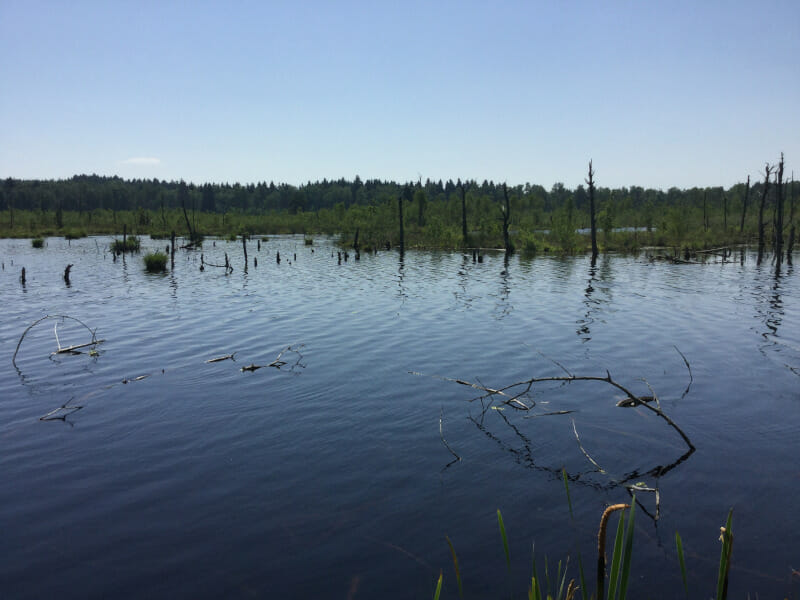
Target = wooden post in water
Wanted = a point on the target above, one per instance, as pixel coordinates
(172, 250)
(244, 247)
(66, 274)
(590, 183)
(22, 277)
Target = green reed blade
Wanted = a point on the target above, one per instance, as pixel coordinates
(438, 587)
(616, 558)
(679, 545)
(628, 552)
(725, 559)
(566, 487)
(505, 538)
(455, 565)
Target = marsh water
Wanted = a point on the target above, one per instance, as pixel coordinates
(327, 476)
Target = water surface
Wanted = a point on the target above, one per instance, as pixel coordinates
(327, 477)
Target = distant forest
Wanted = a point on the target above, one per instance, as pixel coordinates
(433, 214)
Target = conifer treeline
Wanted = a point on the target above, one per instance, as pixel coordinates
(90, 192)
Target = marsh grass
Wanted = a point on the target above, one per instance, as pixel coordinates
(130, 244)
(37, 243)
(74, 234)
(155, 262)
(619, 571)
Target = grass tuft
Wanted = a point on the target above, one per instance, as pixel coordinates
(131, 244)
(155, 262)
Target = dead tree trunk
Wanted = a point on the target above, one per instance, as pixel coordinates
(790, 244)
(764, 192)
(244, 247)
(463, 213)
(172, 250)
(744, 205)
(725, 213)
(183, 192)
(705, 210)
(506, 219)
(590, 183)
(779, 214)
(402, 233)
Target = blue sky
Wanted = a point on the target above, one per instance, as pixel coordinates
(658, 94)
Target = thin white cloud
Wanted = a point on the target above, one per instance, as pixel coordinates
(143, 161)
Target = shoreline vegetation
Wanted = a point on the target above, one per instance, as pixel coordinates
(449, 215)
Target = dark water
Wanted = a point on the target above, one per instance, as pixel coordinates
(328, 477)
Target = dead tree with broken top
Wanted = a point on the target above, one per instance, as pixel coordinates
(744, 205)
(779, 191)
(590, 183)
(506, 210)
(764, 191)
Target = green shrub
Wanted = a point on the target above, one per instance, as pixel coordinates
(155, 262)
(37, 243)
(74, 234)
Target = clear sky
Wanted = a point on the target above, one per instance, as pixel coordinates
(658, 94)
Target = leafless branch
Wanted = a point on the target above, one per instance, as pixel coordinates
(60, 413)
(631, 399)
(441, 434)
(58, 343)
(585, 453)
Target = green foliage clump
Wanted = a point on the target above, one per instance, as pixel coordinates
(308, 241)
(131, 244)
(37, 243)
(155, 262)
(74, 234)
(528, 244)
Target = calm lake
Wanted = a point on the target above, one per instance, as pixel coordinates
(327, 476)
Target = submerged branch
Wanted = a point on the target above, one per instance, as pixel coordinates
(585, 453)
(631, 399)
(58, 343)
(441, 434)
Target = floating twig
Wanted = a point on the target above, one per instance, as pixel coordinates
(549, 414)
(221, 358)
(139, 378)
(53, 416)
